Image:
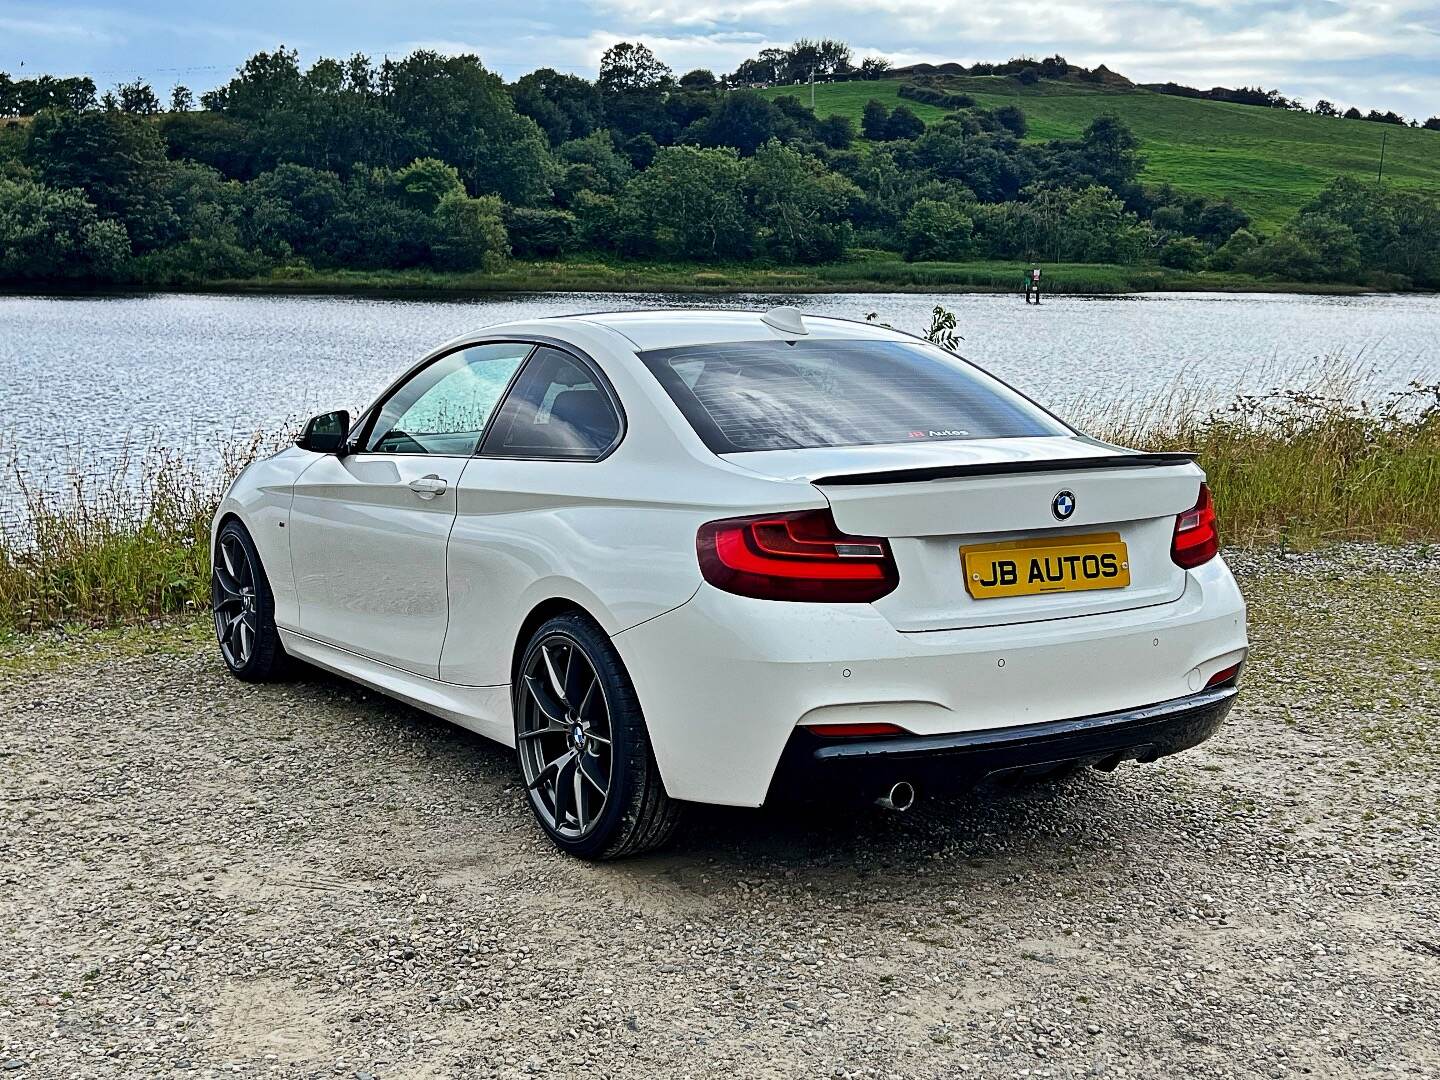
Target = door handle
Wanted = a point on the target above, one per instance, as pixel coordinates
(427, 487)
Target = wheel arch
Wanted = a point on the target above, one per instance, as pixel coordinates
(221, 520)
(540, 614)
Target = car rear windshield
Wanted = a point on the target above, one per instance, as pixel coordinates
(777, 395)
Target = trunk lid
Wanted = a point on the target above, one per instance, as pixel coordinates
(931, 500)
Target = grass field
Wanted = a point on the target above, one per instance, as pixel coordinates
(1268, 160)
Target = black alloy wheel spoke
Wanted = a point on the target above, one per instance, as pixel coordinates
(564, 737)
(556, 685)
(232, 598)
(545, 701)
(565, 789)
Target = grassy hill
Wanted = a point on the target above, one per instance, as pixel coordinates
(1268, 160)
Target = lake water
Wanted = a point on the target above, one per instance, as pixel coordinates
(86, 378)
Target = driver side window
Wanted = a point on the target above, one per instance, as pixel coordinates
(444, 408)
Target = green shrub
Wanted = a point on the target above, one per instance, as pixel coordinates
(540, 232)
(937, 230)
(1183, 253)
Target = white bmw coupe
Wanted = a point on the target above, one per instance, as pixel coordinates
(700, 556)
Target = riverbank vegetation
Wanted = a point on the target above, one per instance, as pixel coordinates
(431, 165)
(859, 271)
(1292, 467)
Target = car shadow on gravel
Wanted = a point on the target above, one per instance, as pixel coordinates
(1093, 816)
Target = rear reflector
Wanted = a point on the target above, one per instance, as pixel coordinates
(1224, 677)
(795, 556)
(840, 731)
(1197, 537)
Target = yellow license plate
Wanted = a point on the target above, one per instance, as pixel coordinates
(1031, 567)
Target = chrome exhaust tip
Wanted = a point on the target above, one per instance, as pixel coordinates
(899, 798)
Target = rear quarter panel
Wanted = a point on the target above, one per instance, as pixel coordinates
(615, 537)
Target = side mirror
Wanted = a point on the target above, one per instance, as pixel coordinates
(326, 433)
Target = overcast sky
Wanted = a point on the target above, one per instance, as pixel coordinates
(1369, 53)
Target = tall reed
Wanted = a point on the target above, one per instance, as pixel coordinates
(1294, 466)
(1308, 465)
(126, 543)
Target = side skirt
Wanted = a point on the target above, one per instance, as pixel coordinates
(484, 710)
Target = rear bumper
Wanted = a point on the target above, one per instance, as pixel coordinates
(726, 680)
(950, 762)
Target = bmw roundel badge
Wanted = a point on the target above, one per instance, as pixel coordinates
(1063, 505)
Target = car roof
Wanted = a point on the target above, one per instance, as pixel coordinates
(672, 328)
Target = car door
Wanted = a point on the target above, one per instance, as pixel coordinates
(529, 509)
(368, 530)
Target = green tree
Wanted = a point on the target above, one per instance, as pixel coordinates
(52, 235)
(699, 79)
(1064, 225)
(836, 132)
(1012, 119)
(1395, 230)
(290, 209)
(1183, 253)
(799, 208)
(743, 119)
(565, 106)
(375, 228)
(540, 232)
(451, 108)
(426, 181)
(1335, 244)
(874, 67)
(138, 99)
(688, 204)
(590, 164)
(903, 124)
(1235, 251)
(874, 120)
(627, 67)
(265, 84)
(1112, 151)
(808, 59)
(938, 230)
(599, 223)
(117, 160)
(1284, 255)
(469, 233)
(1107, 154)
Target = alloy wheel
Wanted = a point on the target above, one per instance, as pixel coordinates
(234, 601)
(565, 736)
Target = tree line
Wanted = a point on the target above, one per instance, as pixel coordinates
(431, 161)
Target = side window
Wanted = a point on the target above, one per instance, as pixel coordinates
(556, 410)
(444, 408)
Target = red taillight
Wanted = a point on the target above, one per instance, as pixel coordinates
(1197, 539)
(850, 731)
(795, 556)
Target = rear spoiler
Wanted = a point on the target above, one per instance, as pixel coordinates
(1005, 468)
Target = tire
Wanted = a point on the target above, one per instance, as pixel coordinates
(244, 608)
(577, 724)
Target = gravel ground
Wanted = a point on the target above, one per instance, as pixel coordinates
(207, 878)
